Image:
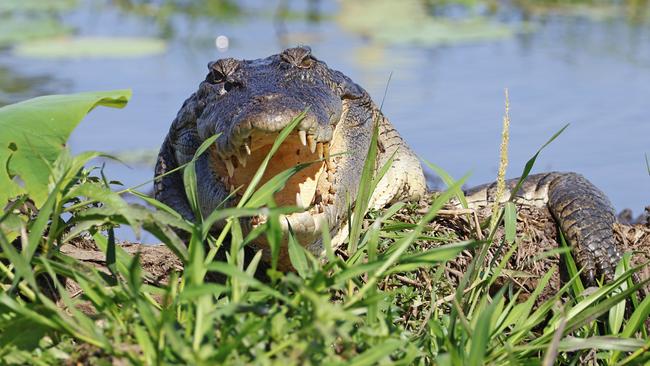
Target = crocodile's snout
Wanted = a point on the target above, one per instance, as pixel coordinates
(247, 103)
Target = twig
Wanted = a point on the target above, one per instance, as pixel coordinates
(408, 281)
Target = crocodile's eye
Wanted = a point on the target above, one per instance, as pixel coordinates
(217, 77)
(220, 70)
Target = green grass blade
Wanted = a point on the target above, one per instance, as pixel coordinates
(265, 193)
(510, 222)
(448, 180)
(404, 243)
(529, 164)
(572, 268)
(376, 353)
(230, 270)
(482, 330)
(617, 313)
(297, 255)
(252, 186)
(364, 191)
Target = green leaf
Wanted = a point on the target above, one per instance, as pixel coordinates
(193, 292)
(635, 322)
(364, 192)
(571, 344)
(482, 330)
(401, 245)
(265, 193)
(297, 255)
(112, 203)
(443, 253)
(146, 344)
(510, 222)
(376, 353)
(22, 332)
(529, 164)
(572, 267)
(617, 312)
(286, 131)
(448, 180)
(231, 271)
(35, 132)
(90, 47)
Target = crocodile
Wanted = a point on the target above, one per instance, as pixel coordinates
(248, 102)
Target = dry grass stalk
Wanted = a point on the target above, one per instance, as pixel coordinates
(503, 162)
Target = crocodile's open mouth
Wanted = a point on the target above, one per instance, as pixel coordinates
(312, 187)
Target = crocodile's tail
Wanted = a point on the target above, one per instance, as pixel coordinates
(582, 211)
(587, 219)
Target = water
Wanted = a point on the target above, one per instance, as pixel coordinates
(446, 101)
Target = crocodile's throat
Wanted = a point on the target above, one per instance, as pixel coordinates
(310, 188)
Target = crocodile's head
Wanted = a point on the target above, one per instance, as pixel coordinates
(248, 102)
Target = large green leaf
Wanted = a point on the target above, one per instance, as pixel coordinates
(34, 133)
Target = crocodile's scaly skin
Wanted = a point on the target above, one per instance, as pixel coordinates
(239, 97)
(583, 212)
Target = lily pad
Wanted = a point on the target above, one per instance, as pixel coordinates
(36, 5)
(15, 29)
(35, 132)
(407, 21)
(90, 47)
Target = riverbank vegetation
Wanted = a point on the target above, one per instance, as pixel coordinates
(384, 297)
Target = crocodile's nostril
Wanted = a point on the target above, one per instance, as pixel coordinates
(228, 85)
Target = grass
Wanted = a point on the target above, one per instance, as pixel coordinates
(383, 299)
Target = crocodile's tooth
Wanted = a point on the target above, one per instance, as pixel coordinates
(229, 167)
(232, 189)
(235, 161)
(330, 176)
(319, 148)
(248, 145)
(241, 158)
(326, 150)
(298, 200)
(303, 137)
(312, 143)
(332, 190)
(244, 150)
(319, 208)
